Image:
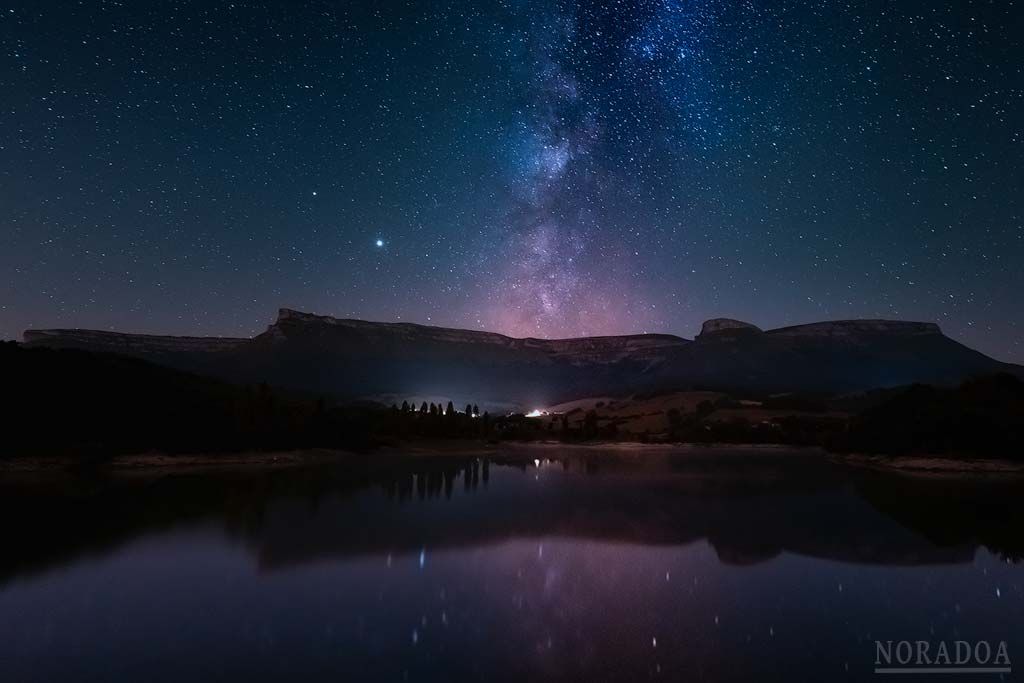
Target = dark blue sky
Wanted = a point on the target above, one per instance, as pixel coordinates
(531, 167)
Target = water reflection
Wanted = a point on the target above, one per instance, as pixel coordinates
(716, 559)
(749, 507)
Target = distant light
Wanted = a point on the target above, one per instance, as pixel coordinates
(536, 463)
(379, 243)
(536, 412)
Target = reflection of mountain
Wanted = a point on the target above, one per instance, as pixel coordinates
(749, 509)
(953, 512)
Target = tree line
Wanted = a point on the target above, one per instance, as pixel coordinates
(95, 404)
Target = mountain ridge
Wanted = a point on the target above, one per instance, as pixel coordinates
(713, 326)
(351, 357)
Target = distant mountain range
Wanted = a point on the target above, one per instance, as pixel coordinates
(356, 358)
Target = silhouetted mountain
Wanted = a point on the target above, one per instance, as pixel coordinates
(350, 358)
(101, 403)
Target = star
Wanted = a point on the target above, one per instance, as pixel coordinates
(523, 181)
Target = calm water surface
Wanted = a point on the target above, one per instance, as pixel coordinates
(714, 566)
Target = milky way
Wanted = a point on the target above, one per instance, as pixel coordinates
(532, 167)
(544, 286)
(567, 268)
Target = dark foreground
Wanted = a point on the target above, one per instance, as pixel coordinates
(106, 404)
(720, 566)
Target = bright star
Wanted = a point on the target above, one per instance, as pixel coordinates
(379, 243)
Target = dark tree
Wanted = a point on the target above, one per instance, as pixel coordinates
(675, 423)
(590, 424)
(405, 406)
(705, 408)
(450, 410)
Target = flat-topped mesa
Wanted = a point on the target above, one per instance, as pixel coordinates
(358, 359)
(726, 328)
(291, 323)
(856, 328)
(129, 344)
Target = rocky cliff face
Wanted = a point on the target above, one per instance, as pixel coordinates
(718, 328)
(130, 344)
(354, 358)
(859, 328)
(579, 351)
(725, 327)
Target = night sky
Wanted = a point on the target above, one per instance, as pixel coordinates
(531, 167)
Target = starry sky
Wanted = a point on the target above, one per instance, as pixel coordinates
(534, 167)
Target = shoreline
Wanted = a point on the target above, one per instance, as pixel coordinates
(165, 461)
(932, 466)
(918, 466)
(417, 449)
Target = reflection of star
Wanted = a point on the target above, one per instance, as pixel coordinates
(379, 242)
